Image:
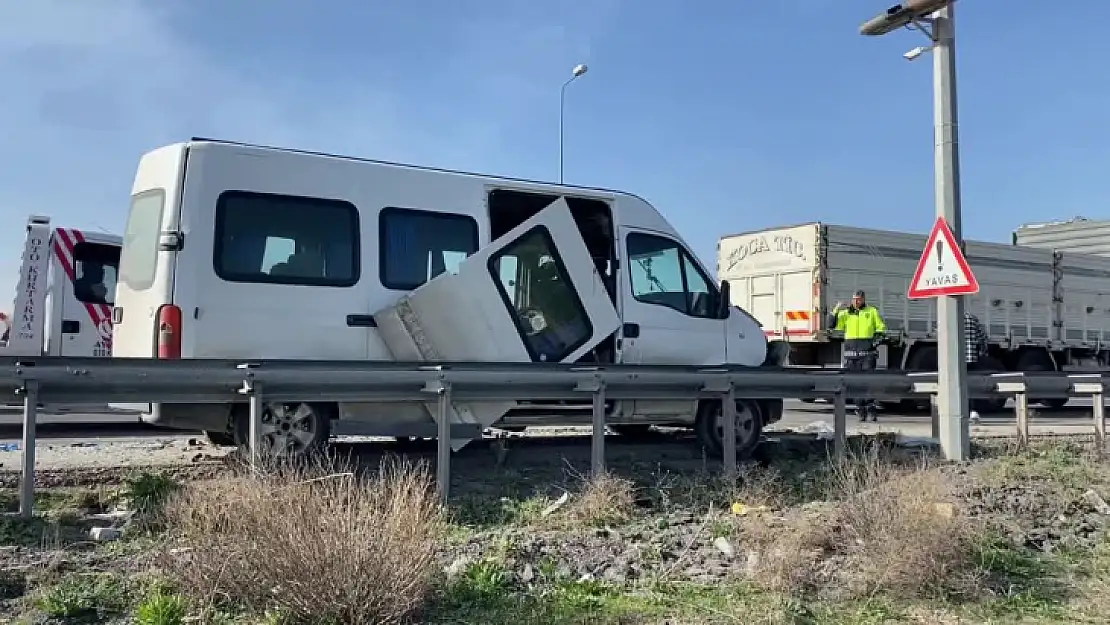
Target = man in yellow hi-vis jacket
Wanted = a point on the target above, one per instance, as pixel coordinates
(863, 329)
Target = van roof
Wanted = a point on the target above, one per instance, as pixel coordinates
(633, 209)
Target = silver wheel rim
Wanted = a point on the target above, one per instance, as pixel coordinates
(289, 429)
(745, 423)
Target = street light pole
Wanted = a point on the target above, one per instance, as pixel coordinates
(575, 73)
(952, 399)
(935, 19)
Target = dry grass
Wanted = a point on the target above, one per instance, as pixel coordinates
(604, 499)
(312, 543)
(886, 529)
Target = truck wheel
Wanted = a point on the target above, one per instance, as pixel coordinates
(288, 429)
(709, 427)
(989, 364)
(1039, 361)
(220, 439)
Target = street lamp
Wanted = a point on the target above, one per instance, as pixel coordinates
(575, 73)
(934, 18)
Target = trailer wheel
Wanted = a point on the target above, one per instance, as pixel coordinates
(709, 427)
(1039, 361)
(288, 429)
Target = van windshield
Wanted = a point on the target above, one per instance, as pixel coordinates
(139, 258)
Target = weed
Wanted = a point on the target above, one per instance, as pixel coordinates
(86, 595)
(161, 609)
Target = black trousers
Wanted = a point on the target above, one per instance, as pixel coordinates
(862, 363)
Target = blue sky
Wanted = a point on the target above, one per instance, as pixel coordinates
(727, 115)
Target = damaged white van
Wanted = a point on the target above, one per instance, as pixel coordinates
(248, 252)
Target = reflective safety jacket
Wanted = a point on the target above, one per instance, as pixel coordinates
(864, 323)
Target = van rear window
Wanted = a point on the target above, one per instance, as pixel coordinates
(139, 258)
(283, 239)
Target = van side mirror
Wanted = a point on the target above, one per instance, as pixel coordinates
(724, 301)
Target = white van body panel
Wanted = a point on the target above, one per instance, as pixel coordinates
(206, 182)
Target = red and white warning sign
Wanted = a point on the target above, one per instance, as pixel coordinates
(942, 270)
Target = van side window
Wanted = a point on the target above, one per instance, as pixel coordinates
(283, 239)
(95, 271)
(663, 273)
(536, 289)
(418, 245)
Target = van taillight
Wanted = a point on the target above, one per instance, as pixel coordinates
(169, 331)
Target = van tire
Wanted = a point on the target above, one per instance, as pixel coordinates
(709, 427)
(290, 418)
(220, 439)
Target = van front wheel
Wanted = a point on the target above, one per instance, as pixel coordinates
(709, 427)
(288, 429)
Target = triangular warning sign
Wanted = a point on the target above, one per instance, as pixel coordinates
(942, 269)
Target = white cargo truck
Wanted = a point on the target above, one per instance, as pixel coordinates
(1043, 310)
(63, 306)
(249, 252)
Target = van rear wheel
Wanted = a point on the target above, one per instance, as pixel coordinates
(288, 429)
(709, 427)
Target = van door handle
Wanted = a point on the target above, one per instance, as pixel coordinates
(361, 321)
(71, 326)
(631, 330)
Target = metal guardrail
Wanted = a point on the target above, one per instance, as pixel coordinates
(57, 380)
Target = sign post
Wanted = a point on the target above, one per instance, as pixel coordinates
(943, 273)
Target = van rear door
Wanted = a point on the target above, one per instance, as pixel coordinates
(146, 269)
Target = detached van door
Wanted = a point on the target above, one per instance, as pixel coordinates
(548, 287)
(532, 295)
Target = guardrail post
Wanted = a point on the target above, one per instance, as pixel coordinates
(840, 424)
(30, 392)
(1098, 411)
(257, 407)
(1093, 385)
(443, 441)
(252, 388)
(1021, 411)
(1014, 384)
(442, 390)
(596, 388)
(728, 430)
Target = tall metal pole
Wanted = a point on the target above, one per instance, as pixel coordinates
(952, 399)
(562, 109)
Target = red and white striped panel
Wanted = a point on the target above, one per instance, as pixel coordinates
(65, 240)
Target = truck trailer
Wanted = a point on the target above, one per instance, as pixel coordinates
(1043, 309)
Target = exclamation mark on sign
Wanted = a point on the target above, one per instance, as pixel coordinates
(940, 256)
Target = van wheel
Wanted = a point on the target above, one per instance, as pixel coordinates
(288, 429)
(220, 439)
(709, 427)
